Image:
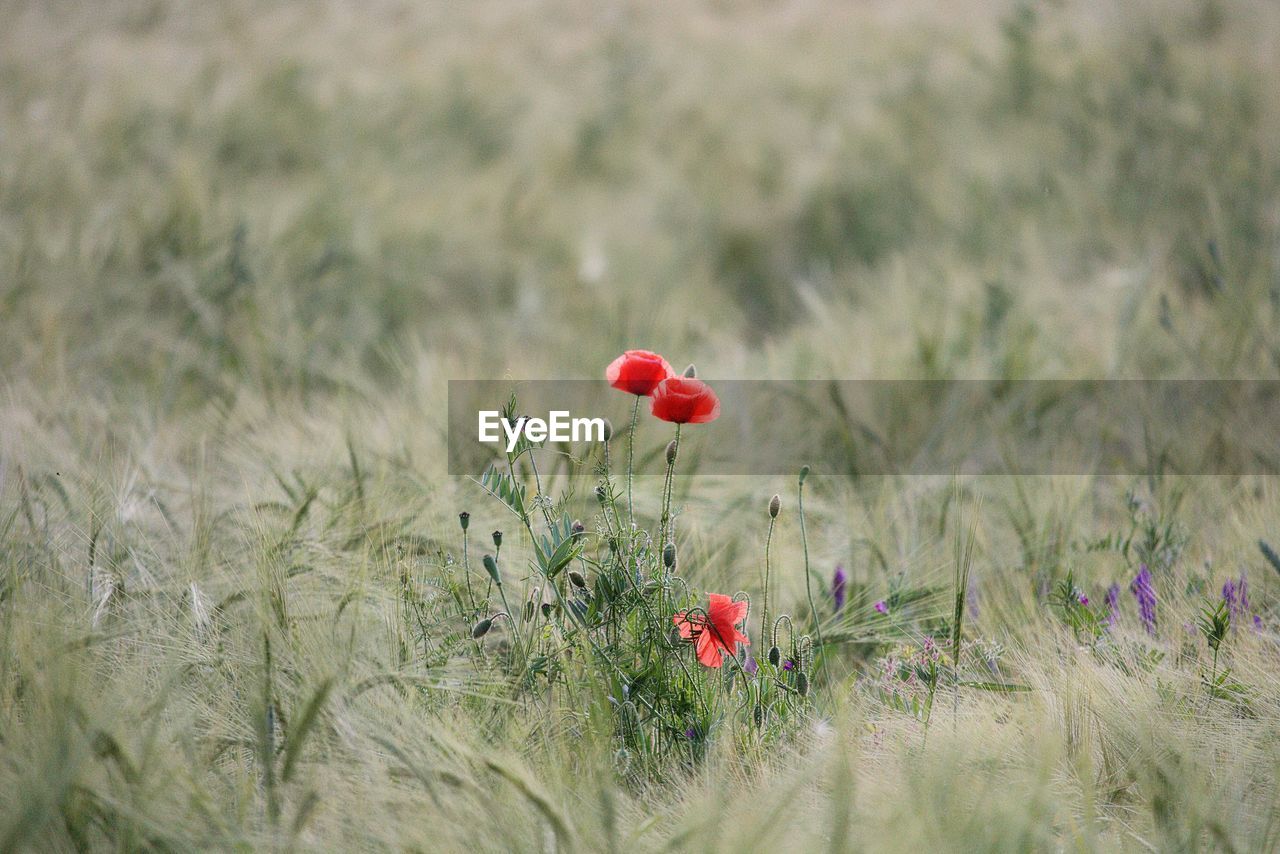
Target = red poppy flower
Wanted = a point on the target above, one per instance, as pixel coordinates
(685, 400)
(637, 372)
(715, 634)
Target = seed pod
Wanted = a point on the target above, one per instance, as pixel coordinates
(497, 539)
(546, 609)
(671, 452)
(775, 505)
(576, 579)
(775, 655)
(669, 555)
(608, 429)
(802, 684)
(482, 628)
(691, 372)
(491, 567)
(464, 519)
(613, 545)
(804, 472)
(578, 528)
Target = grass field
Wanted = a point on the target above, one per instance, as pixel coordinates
(245, 244)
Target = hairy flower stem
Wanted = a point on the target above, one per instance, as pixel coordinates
(631, 466)
(466, 572)
(765, 640)
(666, 495)
(808, 586)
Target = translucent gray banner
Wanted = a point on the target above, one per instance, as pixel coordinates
(874, 427)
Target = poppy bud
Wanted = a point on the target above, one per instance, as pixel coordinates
(775, 505)
(482, 628)
(671, 452)
(577, 580)
(651, 587)
(802, 684)
(775, 655)
(528, 610)
(804, 472)
(669, 555)
(491, 567)
(464, 519)
(497, 539)
(613, 544)
(578, 528)
(608, 430)
(691, 372)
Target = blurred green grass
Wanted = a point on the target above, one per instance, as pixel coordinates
(243, 245)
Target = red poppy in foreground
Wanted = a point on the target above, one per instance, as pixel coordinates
(685, 400)
(715, 634)
(637, 372)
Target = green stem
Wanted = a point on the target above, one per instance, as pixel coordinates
(466, 572)
(764, 617)
(631, 460)
(666, 497)
(808, 586)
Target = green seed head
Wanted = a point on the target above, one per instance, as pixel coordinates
(464, 519)
(497, 539)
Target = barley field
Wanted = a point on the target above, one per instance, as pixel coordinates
(246, 244)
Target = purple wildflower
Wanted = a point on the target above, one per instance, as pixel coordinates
(1082, 599)
(750, 665)
(1145, 593)
(1257, 623)
(1236, 595)
(881, 607)
(839, 582)
(691, 733)
(788, 665)
(1113, 604)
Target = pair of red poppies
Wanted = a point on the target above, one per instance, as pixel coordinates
(684, 400)
(674, 398)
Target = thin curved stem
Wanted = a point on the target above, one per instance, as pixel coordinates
(808, 584)
(764, 616)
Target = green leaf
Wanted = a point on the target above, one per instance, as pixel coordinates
(304, 724)
(561, 557)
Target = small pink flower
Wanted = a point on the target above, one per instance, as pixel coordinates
(881, 607)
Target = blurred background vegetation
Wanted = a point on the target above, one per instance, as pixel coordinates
(243, 245)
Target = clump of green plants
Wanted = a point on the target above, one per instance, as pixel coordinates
(608, 608)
